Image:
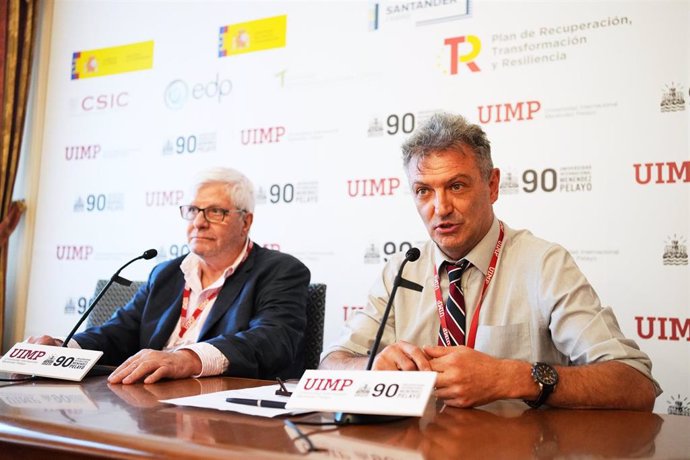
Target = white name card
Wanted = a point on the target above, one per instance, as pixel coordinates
(49, 361)
(364, 392)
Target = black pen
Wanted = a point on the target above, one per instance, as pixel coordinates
(257, 402)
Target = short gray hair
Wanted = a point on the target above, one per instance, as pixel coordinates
(446, 131)
(237, 186)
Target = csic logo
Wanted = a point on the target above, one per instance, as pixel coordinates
(82, 152)
(465, 54)
(675, 251)
(678, 406)
(372, 187)
(666, 173)
(678, 331)
(159, 198)
(67, 252)
(102, 102)
(672, 99)
(507, 112)
(178, 92)
(269, 135)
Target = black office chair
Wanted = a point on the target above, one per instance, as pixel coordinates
(115, 297)
(313, 337)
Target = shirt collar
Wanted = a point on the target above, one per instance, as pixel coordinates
(479, 256)
(191, 270)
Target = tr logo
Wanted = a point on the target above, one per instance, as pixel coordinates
(466, 58)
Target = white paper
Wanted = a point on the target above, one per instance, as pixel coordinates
(217, 400)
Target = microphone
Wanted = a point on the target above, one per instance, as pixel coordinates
(116, 278)
(411, 255)
(342, 418)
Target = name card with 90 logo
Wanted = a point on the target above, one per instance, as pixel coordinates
(364, 392)
(48, 361)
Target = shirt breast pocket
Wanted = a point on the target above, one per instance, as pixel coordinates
(509, 341)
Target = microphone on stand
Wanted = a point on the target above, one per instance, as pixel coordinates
(343, 418)
(116, 278)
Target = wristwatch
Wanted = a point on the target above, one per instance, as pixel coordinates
(546, 377)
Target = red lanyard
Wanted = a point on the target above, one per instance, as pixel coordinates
(187, 323)
(472, 335)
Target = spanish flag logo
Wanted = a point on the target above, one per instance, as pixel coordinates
(113, 60)
(248, 37)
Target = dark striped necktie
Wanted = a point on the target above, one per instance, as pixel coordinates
(455, 305)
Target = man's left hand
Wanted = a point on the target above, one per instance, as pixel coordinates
(466, 378)
(152, 365)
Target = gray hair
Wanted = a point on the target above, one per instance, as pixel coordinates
(445, 131)
(238, 187)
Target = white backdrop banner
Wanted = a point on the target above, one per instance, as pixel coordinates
(585, 104)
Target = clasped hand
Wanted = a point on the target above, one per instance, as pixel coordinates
(466, 377)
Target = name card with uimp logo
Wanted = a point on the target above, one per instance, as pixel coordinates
(364, 392)
(48, 361)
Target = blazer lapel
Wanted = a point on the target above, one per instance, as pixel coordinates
(171, 308)
(228, 293)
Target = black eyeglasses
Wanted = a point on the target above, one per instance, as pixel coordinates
(211, 214)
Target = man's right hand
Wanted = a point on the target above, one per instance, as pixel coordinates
(45, 340)
(402, 356)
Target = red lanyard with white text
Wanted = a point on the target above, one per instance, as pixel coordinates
(472, 335)
(187, 323)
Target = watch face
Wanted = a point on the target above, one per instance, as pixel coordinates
(545, 374)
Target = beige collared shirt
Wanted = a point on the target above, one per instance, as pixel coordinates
(538, 307)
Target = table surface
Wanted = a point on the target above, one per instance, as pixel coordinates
(93, 418)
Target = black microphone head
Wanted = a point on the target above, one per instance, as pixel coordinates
(151, 253)
(412, 254)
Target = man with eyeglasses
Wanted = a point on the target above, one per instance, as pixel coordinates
(228, 307)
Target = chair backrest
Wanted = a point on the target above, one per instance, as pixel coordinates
(116, 297)
(313, 337)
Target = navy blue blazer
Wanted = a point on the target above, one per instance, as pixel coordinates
(257, 321)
